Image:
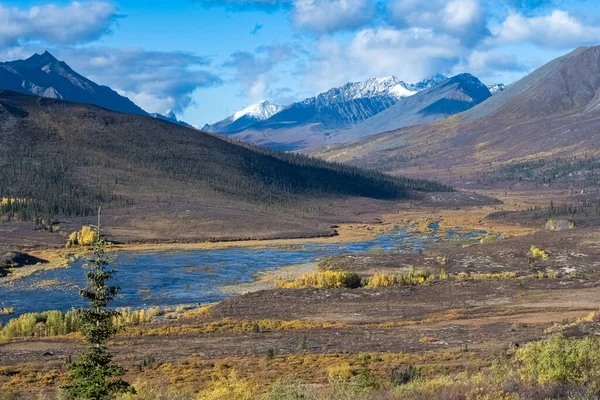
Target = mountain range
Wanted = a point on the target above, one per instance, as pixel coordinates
(43, 75)
(552, 112)
(364, 108)
(338, 107)
(337, 115)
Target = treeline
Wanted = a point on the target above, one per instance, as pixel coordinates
(582, 209)
(584, 170)
(34, 187)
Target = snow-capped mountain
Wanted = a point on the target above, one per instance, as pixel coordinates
(336, 108)
(245, 118)
(260, 111)
(345, 106)
(374, 87)
(496, 88)
(341, 115)
(452, 96)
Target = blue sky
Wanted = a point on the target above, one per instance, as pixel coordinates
(206, 59)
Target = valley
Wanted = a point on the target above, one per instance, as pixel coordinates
(446, 251)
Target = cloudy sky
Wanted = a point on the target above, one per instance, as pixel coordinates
(205, 59)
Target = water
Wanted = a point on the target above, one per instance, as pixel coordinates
(188, 277)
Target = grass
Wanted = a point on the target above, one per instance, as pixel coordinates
(412, 278)
(323, 280)
(57, 323)
(554, 368)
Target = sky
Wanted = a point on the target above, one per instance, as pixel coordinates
(206, 59)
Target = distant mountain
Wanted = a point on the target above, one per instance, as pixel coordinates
(43, 75)
(310, 122)
(552, 112)
(496, 88)
(450, 97)
(345, 106)
(244, 118)
(171, 117)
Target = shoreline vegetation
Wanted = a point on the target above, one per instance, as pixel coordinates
(418, 220)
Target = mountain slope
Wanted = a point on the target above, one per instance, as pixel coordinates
(62, 159)
(452, 96)
(244, 118)
(554, 111)
(43, 75)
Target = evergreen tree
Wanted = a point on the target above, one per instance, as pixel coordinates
(93, 376)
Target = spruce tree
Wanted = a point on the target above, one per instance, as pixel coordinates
(94, 376)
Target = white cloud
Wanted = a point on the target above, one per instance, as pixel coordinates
(77, 22)
(158, 81)
(255, 70)
(411, 54)
(492, 66)
(325, 16)
(557, 30)
(465, 20)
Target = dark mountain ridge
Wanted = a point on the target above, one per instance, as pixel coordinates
(43, 75)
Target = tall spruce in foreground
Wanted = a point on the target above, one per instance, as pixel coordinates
(93, 376)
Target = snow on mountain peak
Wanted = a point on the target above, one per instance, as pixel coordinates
(389, 86)
(373, 87)
(496, 88)
(260, 111)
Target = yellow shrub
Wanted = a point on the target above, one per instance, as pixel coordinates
(534, 252)
(381, 280)
(85, 237)
(7, 311)
(560, 360)
(229, 388)
(412, 278)
(487, 276)
(443, 274)
(323, 280)
(341, 372)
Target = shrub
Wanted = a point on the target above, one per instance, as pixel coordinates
(534, 252)
(324, 280)
(7, 310)
(290, 389)
(412, 278)
(404, 375)
(560, 360)
(84, 237)
(487, 276)
(55, 323)
(229, 388)
(490, 238)
(381, 280)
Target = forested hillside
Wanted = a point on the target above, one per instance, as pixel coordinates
(59, 158)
